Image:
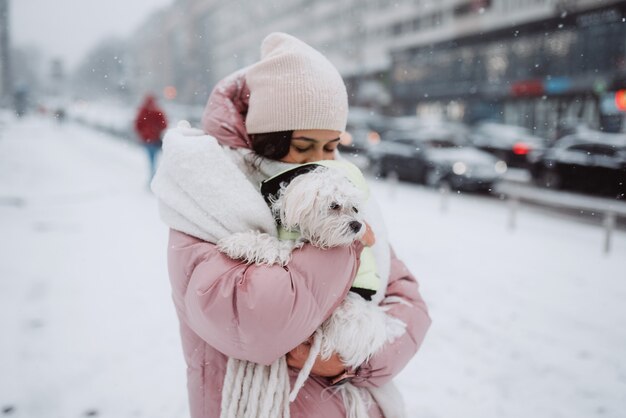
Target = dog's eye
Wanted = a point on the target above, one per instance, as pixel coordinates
(355, 210)
(335, 206)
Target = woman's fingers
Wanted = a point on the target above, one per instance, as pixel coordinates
(368, 238)
(327, 368)
(297, 356)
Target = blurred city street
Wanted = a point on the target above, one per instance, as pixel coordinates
(526, 323)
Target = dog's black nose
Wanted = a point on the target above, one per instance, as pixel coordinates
(355, 226)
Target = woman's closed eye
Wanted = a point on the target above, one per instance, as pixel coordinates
(307, 149)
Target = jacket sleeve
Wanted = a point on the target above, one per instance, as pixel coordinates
(407, 305)
(259, 312)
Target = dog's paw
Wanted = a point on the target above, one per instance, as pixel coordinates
(285, 249)
(357, 329)
(236, 246)
(256, 247)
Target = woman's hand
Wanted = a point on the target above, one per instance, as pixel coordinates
(326, 368)
(368, 238)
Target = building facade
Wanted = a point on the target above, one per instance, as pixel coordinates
(524, 62)
(546, 64)
(5, 54)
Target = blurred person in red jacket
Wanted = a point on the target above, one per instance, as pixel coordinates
(149, 125)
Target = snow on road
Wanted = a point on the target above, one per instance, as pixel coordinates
(526, 323)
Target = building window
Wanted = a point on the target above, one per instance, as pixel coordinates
(471, 7)
(396, 29)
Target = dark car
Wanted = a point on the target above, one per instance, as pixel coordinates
(512, 144)
(434, 158)
(589, 161)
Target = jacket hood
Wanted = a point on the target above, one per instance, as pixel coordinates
(224, 116)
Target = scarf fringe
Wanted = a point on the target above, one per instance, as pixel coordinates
(253, 390)
(308, 364)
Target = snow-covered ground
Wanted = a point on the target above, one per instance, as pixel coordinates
(526, 324)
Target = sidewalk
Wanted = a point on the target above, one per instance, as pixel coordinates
(88, 324)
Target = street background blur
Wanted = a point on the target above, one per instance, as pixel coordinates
(531, 63)
(493, 133)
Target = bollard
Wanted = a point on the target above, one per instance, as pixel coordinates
(392, 180)
(444, 192)
(609, 226)
(513, 208)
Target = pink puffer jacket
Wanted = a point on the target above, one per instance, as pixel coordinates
(259, 313)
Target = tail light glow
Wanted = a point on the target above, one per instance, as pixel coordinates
(521, 148)
(620, 100)
(373, 137)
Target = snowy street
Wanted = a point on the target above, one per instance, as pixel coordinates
(526, 324)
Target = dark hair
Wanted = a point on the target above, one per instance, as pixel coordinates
(273, 145)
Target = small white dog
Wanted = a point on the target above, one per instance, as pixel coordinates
(322, 207)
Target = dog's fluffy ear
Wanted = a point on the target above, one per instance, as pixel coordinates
(296, 200)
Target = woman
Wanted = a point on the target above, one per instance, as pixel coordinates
(288, 108)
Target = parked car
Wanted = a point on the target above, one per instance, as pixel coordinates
(590, 161)
(435, 157)
(512, 144)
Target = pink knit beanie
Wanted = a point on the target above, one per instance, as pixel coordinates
(294, 87)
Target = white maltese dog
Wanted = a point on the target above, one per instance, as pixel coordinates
(319, 205)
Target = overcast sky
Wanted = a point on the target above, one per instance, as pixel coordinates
(69, 28)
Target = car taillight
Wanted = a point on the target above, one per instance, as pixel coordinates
(520, 148)
(373, 137)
